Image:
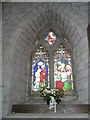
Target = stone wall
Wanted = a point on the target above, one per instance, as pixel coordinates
(22, 23)
(45, 0)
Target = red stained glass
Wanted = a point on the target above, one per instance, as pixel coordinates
(59, 85)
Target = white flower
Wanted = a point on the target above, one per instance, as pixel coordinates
(48, 91)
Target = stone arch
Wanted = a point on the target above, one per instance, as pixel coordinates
(25, 34)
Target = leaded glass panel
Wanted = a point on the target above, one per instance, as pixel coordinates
(63, 69)
(40, 69)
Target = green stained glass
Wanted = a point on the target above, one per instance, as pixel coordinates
(59, 77)
(64, 49)
(67, 86)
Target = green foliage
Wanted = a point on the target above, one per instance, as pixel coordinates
(47, 97)
(59, 94)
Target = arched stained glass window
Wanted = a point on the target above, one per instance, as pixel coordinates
(40, 69)
(63, 69)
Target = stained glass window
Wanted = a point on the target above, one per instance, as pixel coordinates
(63, 69)
(40, 69)
(51, 38)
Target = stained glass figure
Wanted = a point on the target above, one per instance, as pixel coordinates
(63, 69)
(40, 69)
(51, 38)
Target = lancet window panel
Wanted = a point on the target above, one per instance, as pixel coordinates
(63, 69)
(40, 69)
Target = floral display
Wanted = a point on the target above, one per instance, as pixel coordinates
(48, 93)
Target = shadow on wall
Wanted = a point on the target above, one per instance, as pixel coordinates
(88, 29)
(88, 32)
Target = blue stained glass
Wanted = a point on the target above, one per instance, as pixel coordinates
(64, 54)
(45, 36)
(35, 68)
(66, 62)
(56, 37)
(61, 61)
(40, 61)
(38, 56)
(40, 67)
(46, 70)
(65, 77)
(59, 55)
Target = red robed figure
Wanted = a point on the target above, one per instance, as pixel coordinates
(59, 85)
(43, 76)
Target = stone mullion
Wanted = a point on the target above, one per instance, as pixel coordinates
(51, 69)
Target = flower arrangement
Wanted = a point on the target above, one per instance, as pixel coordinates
(47, 93)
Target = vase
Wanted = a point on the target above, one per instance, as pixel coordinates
(48, 101)
(58, 100)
